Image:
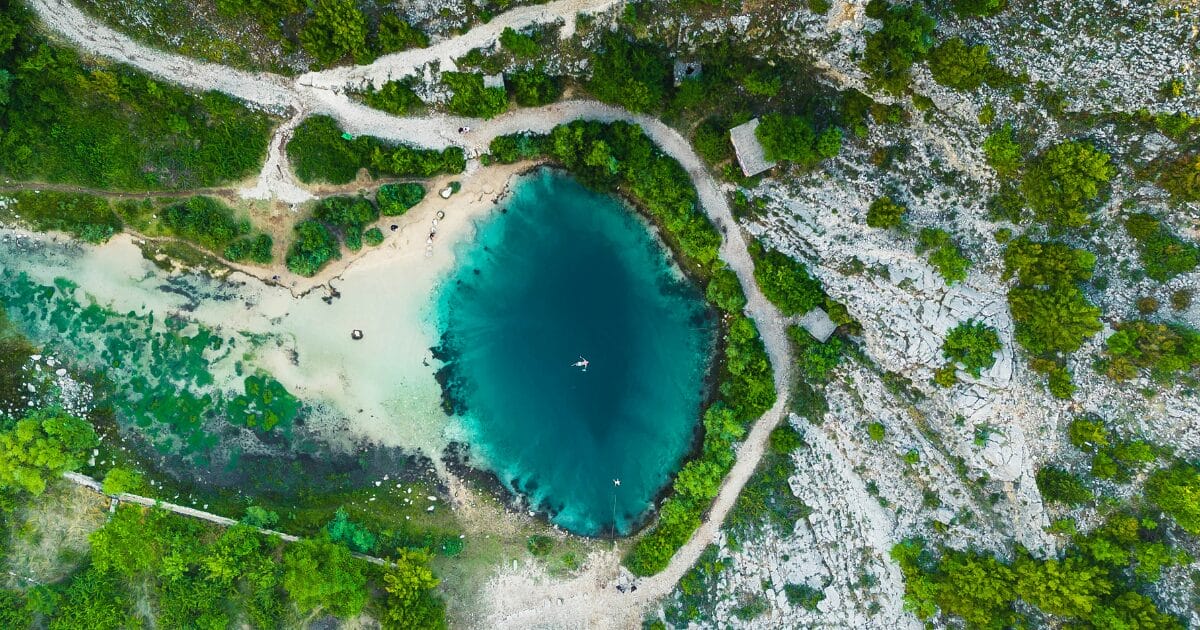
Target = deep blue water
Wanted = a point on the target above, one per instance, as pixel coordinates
(564, 273)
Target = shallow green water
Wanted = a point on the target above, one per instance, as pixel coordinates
(564, 273)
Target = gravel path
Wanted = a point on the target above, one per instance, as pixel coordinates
(589, 600)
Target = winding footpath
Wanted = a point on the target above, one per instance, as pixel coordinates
(587, 600)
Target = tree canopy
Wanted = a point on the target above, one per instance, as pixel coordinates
(1062, 184)
(41, 446)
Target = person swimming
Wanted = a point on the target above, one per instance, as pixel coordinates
(582, 364)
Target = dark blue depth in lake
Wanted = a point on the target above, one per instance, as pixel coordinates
(563, 274)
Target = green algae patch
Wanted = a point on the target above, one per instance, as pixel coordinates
(172, 379)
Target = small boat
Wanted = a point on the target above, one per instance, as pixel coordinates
(582, 363)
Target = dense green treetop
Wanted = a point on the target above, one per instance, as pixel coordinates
(972, 344)
(1063, 183)
(41, 446)
(320, 573)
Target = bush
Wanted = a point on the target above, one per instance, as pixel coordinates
(1052, 320)
(314, 246)
(904, 39)
(534, 88)
(373, 237)
(956, 65)
(945, 255)
(794, 139)
(711, 140)
(1164, 349)
(815, 359)
(1164, 255)
(395, 199)
(41, 447)
(539, 545)
(83, 216)
(785, 282)
(471, 98)
(354, 536)
(109, 126)
(204, 221)
(784, 439)
(885, 213)
(260, 517)
(120, 480)
(725, 291)
(256, 249)
(1062, 184)
(1046, 263)
(1002, 151)
(978, 8)
(1176, 491)
(395, 97)
(973, 345)
(634, 75)
(319, 153)
(876, 431)
(395, 35)
(1181, 178)
(321, 573)
(336, 30)
(1060, 486)
(519, 44)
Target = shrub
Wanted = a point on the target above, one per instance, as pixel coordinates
(784, 439)
(255, 249)
(1046, 263)
(313, 247)
(395, 199)
(395, 35)
(1052, 320)
(354, 536)
(876, 431)
(204, 221)
(373, 237)
(634, 75)
(803, 595)
(321, 573)
(725, 291)
(1176, 491)
(945, 255)
(519, 44)
(533, 88)
(1088, 435)
(395, 97)
(471, 98)
(954, 64)
(1163, 254)
(794, 139)
(41, 447)
(815, 359)
(1181, 178)
(885, 213)
(1060, 486)
(120, 480)
(973, 345)
(1164, 349)
(978, 8)
(711, 140)
(1002, 151)
(904, 39)
(336, 30)
(1063, 182)
(260, 517)
(785, 282)
(1181, 300)
(1148, 305)
(83, 216)
(319, 153)
(945, 376)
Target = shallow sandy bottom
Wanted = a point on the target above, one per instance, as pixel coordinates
(383, 385)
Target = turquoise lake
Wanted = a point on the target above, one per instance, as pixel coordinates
(561, 273)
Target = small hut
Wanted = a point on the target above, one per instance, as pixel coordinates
(749, 151)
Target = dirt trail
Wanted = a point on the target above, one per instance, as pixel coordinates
(589, 600)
